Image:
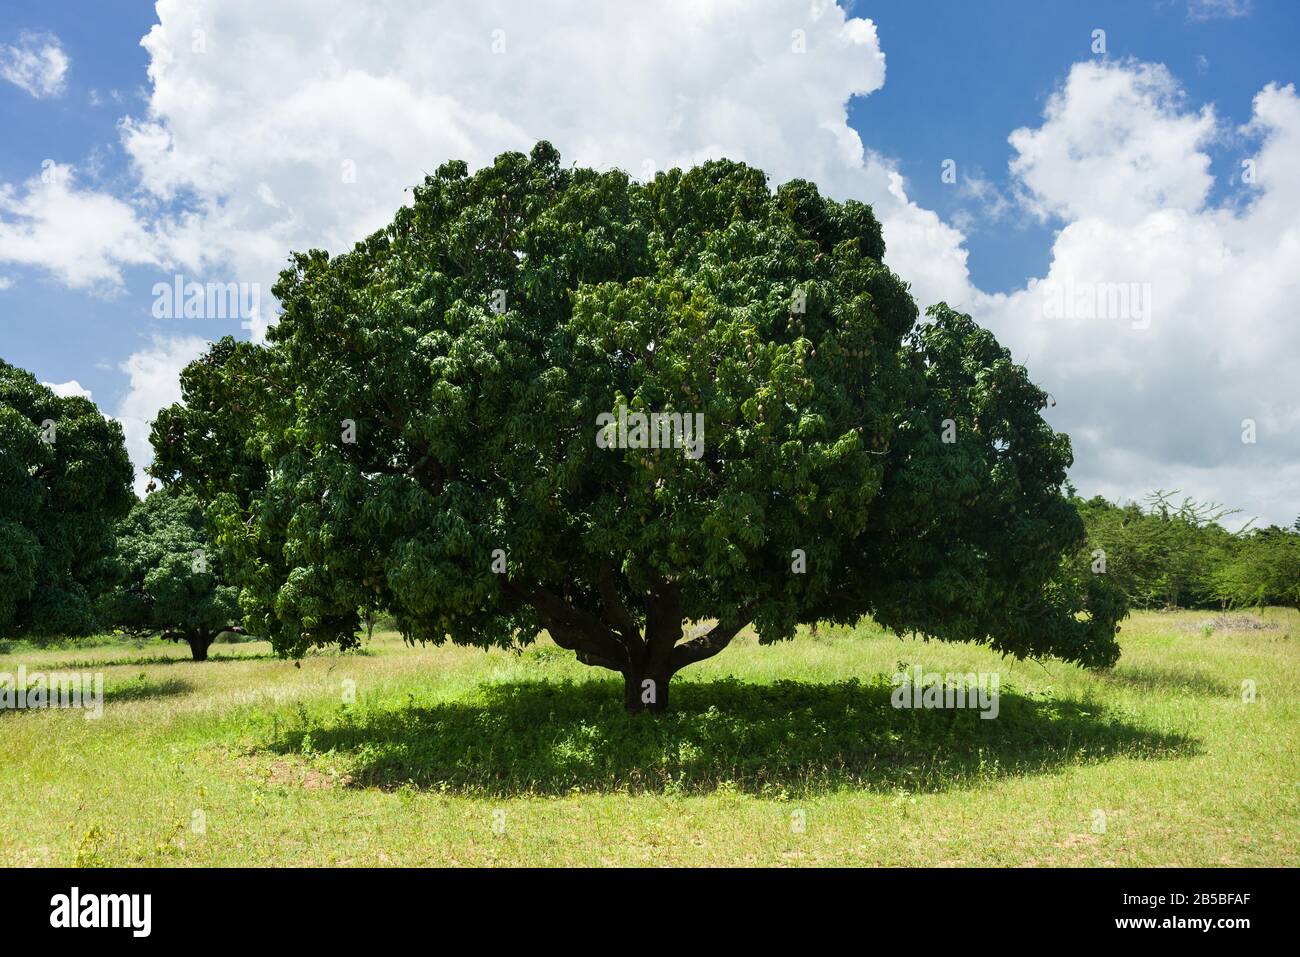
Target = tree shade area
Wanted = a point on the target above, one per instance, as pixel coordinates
(449, 422)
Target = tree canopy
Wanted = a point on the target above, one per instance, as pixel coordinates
(166, 575)
(444, 424)
(64, 480)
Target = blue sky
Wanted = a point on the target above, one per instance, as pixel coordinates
(923, 83)
(56, 332)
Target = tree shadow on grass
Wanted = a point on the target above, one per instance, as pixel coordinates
(786, 738)
(151, 660)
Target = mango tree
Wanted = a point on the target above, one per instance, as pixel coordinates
(167, 577)
(642, 417)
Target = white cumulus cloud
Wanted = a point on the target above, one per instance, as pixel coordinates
(306, 124)
(1164, 326)
(83, 237)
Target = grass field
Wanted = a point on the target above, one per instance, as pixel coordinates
(785, 755)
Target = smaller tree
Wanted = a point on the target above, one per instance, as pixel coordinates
(1192, 544)
(167, 580)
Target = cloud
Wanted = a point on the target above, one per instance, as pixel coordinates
(990, 204)
(1115, 145)
(82, 237)
(301, 129)
(306, 127)
(36, 63)
(154, 382)
(1164, 326)
(69, 388)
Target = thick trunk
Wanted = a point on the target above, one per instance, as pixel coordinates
(645, 691)
(645, 681)
(199, 642)
(608, 636)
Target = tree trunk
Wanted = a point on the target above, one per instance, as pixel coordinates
(645, 691)
(198, 643)
(609, 637)
(645, 680)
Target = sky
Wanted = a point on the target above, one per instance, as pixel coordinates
(1112, 187)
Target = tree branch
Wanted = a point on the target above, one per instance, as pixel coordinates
(575, 629)
(710, 643)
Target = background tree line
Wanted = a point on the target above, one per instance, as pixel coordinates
(79, 553)
(1167, 554)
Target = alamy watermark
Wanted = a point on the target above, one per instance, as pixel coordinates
(930, 689)
(651, 430)
(57, 689)
(179, 299)
(1125, 301)
(74, 909)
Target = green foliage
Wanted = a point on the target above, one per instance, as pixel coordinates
(473, 344)
(166, 576)
(973, 540)
(64, 480)
(205, 437)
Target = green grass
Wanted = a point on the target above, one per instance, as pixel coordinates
(785, 755)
